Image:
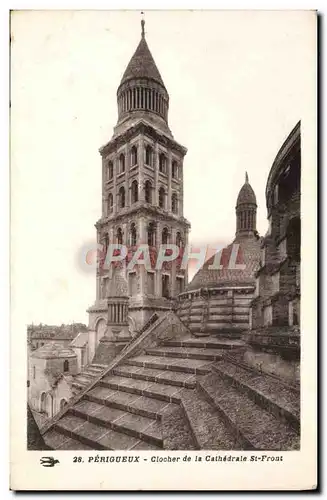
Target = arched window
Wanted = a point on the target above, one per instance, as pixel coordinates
(151, 234)
(34, 372)
(121, 194)
(133, 235)
(133, 156)
(135, 192)
(110, 171)
(174, 203)
(122, 163)
(164, 236)
(106, 243)
(148, 156)
(49, 405)
(42, 403)
(148, 192)
(162, 163)
(119, 236)
(63, 403)
(66, 366)
(174, 170)
(162, 197)
(242, 220)
(179, 241)
(110, 203)
(165, 285)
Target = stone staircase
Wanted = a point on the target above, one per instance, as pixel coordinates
(182, 394)
(86, 377)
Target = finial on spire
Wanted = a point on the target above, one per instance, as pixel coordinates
(246, 177)
(142, 25)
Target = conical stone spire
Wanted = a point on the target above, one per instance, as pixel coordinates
(142, 65)
(142, 92)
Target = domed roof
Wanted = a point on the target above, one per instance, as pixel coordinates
(246, 194)
(248, 253)
(118, 286)
(142, 65)
(53, 350)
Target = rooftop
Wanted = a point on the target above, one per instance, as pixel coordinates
(246, 194)
(62, 332)
(53, 350)
(248, 253)
(80, 340)
(142, 64)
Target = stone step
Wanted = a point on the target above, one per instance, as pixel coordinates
(57, 441)
(126, 401)
(186, 353)
(83, 379)
(78, 385)
(265, 391)
(98, 366)
(200, 367)
(94, 371)
(141, 427)
(209, 429)
(218, 333)
(169, 393)
(96, 436)
(176, 432)
(206, 342)
(255, 427)
(91, 373)
(179, 379)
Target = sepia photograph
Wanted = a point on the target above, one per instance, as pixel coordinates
(158, 170)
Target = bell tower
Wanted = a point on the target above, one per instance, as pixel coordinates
(142, 191)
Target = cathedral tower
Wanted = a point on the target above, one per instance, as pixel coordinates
(142, 191)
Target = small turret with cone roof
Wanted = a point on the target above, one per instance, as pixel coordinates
(246, 210)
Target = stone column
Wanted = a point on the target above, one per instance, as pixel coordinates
(158, 272)
(141, 270)
(125, 234)
(111, 235)
(169, 163)
(156, 175)
(98, 288)
(181, 189)
(126, 183)
(173, 266)
(185, 245)
(140, 160)
(104, 208)
(114, 193)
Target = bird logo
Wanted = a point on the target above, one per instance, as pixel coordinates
(48, 461)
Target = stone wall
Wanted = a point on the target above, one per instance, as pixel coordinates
(225, 310)
(274, 363)
(45, 394)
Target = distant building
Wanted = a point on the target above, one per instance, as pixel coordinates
(275, 311)
(51, 371)
(39, 335)
(218, 300)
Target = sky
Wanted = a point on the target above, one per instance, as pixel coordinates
(237, 84)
